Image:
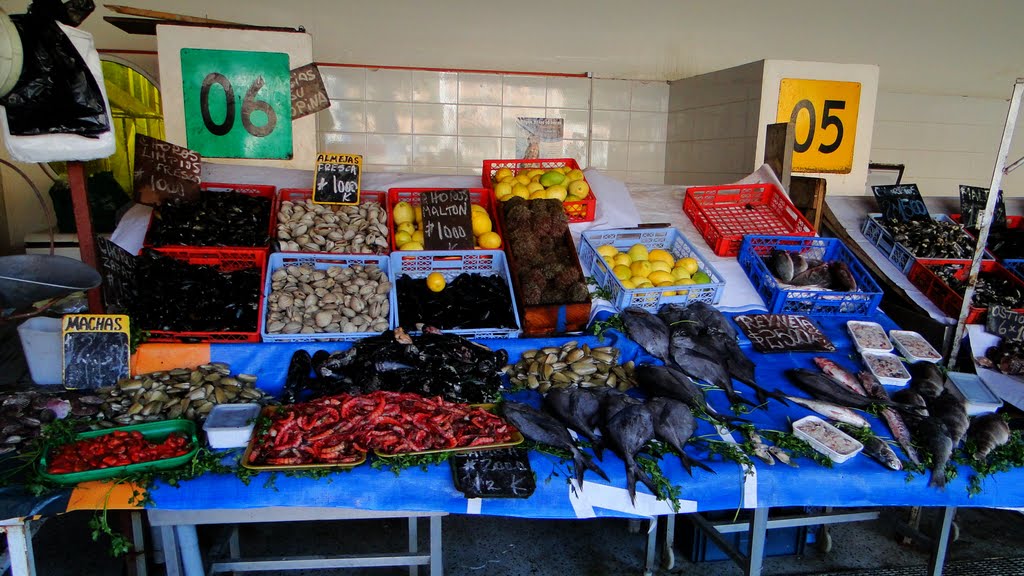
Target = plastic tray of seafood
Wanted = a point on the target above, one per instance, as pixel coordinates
(979, 398)
(827, 439)
(230, 425)
(258, 457)
(887, 368)
(477, 196)
(705, 288)
(914, 347)
(327, 297)
(303, 226)
(725, 214)
(942, 238)
(943, 282)
(477, 290)
(868, 336)
(247, 219)
(808, 275)
(575, 210)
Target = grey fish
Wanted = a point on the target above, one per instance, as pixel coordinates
(842, 278)
(647, 330)
(814, 276)
(741, 367)
(760, 449)
(697, 318)
(613, 401)
(824, 388)
(712, 318)
(933, 436)
(840, 375)
(953, 413)
(701, 367)
(579, 409)
(543, 428)
(674, 425)
(988, 432)
(831, 411)
(916, 406)
(879, 450)
(927, 379)
(898, 427)
(799, 262)
(628, 432)
(671, 383)
(782, 456)
(781, 265)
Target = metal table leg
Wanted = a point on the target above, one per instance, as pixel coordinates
(758, 533)
(668, 553)
(413, 542)
(652, 545)
(19, 546)
(139, 543)
(436, 557)
(188, 546)
(172, 557)
(938, 555)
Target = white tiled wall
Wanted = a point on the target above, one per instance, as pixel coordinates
(449, 122)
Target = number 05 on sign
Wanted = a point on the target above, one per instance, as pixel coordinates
(825, 115)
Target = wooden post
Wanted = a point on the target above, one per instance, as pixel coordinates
(83, 223)
(808, 195)
(778, 150)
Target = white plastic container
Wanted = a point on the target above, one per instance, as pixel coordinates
(230, 425)
(827, 439)
(887, 368)
(979, 398)
(868, 336)
(914, 347)
(40, 339)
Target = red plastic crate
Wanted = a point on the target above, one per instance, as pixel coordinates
(225, 260)
(948, 300)
(260, 190)
(481, 196)
(577, 211)
(303, 194)
(724, 214)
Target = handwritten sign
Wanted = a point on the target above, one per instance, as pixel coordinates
(117, 268)
(973, 200)
(824, 113)
(96, 350)
(900, 202)
(337, 179)
(447, 220)
(499, 473)
(1005, 323)
(164, 171)
(308, 92)
(783, 333)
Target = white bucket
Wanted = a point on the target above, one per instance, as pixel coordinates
(40, 339)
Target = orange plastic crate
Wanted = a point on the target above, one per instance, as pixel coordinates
(947, 299)
(481, 196)
(577, 211)
(258, 190)
(303, 194)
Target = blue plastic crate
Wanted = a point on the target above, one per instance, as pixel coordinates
(451, 264)
(650, 298)
(810, 302)
(281, 260)
(897, 253)
(1015, 265)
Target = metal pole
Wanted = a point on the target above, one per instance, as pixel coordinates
(986, 217)
(758, 533)
(938, 555)
(83, 223)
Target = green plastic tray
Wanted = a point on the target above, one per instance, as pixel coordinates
(155, 431)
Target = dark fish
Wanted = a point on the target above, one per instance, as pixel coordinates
(842, 278)
(741, 367)
(824, 388)
(878, 449)
(781, 265)
(579, 409)
(701, 367)
(671, 383)
(626, 433)
(799, 262)
(953, 413)
(542, 428)
(613, 401)
(898, 427)
(679, 318)
(674, 424)
(933, 436)
(926, 379)
(815, 276)
(987, 433)
(712, 318)
(915, 404)
(647, 330)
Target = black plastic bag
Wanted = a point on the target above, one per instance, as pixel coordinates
(56, 92)
(106, 198)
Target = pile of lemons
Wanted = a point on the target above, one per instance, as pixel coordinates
(643, 268)
(408, 221)
(563, 184)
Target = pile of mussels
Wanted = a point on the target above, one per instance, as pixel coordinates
(991, 290)
(932, 238)
(215, 219)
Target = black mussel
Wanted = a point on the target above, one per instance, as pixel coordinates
(214, 219)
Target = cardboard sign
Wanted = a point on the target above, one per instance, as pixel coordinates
(309, 95)
(164, 171)
(901, 202)
(973, 200)
(96, 350)
(337, 179)
(783, 333)
(117, 268)
(447, 220)
(499, 473)
(1005, 323)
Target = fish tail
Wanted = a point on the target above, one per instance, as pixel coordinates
(938, 479)
(583, 463)
(598, 447)
(735, 398)
(689, 462)
(631, 474)
(762, 394)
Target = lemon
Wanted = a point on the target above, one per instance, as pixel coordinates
(622, 259)
(668, 293)
(402, 238)
(662, 256)
(490, 241)
(608, 261)
(701, 278)
(538, 172)
(563, 169)
(637, 280)
(574, 175)
(481, 223)
(556, 192)
(607, 250)
(628, 284)
(579, 188)
(535, 180)
(622, 272)
(685, 282)
(689, 264)
(403, 212)
(538, 195)
(645, 284)
(509, 179)
(660, 265)
(417, 237)
(418, 214)
(679, 273)
(552, 178)
(478, 208)
(658, 278)
(523, 179)
(522, 191)
(638, 252)
(435, 281)
(502, 189)
(534, 187)
(641, 268)
(501, 174)
(411, 246)
(407, 227)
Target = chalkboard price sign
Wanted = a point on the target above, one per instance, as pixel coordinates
(783, 333)
(117, 268)
(901, 202)
(447, 220)
(96, 350)
(499, 473)
(1005, 323)
(164, 171)
(337, 179)
(973, 200)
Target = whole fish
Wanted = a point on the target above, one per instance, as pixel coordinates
(831, 411)
(782, 456)
(953, 413)
(671, 383)
(915, 404)
(814, 276)
(711, 318)
(988, 432)
(626, 433)
(839, 374)
(799, 262)
(741, 367)
(543, 428)
(647, 330)
(927, 379)
(674, 425)
(879, 449)
(933, 437)
(824, 388)
(579, 409)
(842, 278)
(701, 367)
(781, 264)
(760, 449)
(898, 427)
(613, 401)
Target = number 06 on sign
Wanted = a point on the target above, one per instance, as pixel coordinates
(825, 115)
